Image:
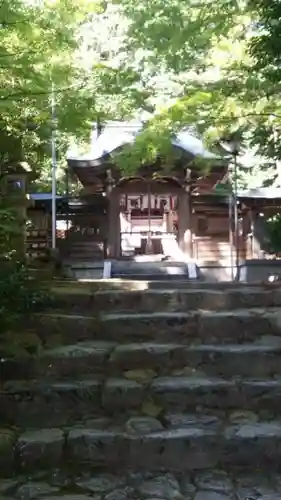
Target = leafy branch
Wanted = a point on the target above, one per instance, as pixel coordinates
(20, 95)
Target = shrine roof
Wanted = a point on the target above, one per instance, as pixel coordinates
(115, 135)
(43, 196)
(16, 168)
(266, 193)
(65, 203)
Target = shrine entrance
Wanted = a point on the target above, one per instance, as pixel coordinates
(146, 221)
(148, 217)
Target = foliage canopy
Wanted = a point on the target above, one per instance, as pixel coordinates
(177, 63)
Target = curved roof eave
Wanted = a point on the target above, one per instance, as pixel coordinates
(108, 143)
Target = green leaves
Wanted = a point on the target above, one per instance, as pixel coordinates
(198, 64)
(189, 63)
(265, 46)
(38, 47)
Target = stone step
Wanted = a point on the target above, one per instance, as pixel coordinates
(260, 359)
(212, 484)
(150, 270)
(164, 300)
(128, 264)
(155, 276)
(65, 402)
(202, 326)
(93, 285)
(146, 446)
(181, 448)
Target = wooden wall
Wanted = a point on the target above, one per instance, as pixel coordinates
(86, 238)
(211, 235)
(38, 234)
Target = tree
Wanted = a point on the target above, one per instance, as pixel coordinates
(38, 53)
(265, 45)
(182, 63)
(172, 51)
(194, 66)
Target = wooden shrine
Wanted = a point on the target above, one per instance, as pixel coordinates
(155, 208)
(154, 211)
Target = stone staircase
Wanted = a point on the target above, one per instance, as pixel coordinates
(164, 392)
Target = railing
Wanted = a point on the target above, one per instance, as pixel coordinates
(139, 241)
(83, 237)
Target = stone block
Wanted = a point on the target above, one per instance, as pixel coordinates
(180, 394)
(217, 480)
(120, 494)
(215, 300)
(179, 449)
(186, 393)
(142, 375)
(212, 495)
(149, 301)
(121, 394)
(75, 360)
(40, 449)
(275, 296)
(144, 354)
(248, 297)
(157, 300)
(101, 483)
(143, 425)
(70, 327)
(51, 404)
(8, 486)
(96, 447)
(257, 444)
(162, 486)
(7, 451)
(182, 420)
(234, 326)
(163, 326)
(73, 496)
(33, 490)
(207, 326)
(252, 360)
(260, 395)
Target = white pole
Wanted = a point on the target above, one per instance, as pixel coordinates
(54, 168)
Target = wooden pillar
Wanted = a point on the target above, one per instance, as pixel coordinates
(251, 234)
(257, 234)
(185, 222)
(169, 221)
(117, 227)
(114, 226)
(114, 229)
(247, 233)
